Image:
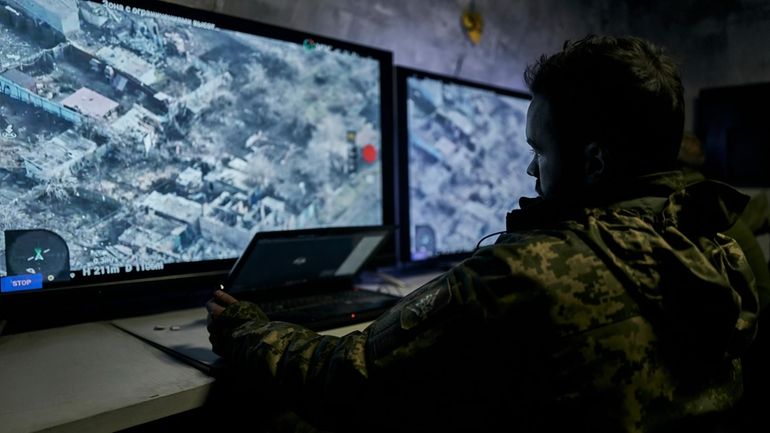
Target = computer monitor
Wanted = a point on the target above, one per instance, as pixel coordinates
(732, 124)
(463, 157)
(144, 141)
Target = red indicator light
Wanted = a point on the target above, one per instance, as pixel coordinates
(352, 315)
(369, 154)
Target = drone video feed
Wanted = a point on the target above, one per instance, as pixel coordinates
(468, 156)
(142, 139)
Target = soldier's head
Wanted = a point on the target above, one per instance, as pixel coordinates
(604, 110)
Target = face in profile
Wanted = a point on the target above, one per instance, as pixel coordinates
(549, 166)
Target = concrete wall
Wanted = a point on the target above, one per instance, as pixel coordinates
(718, 42)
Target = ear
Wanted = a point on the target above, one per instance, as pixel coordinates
(595, 163)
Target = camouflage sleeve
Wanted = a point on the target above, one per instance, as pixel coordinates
(287, 359)
(435, 328)
(756, 259)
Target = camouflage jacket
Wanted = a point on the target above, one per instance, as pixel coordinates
(751, 221)
(626, 317)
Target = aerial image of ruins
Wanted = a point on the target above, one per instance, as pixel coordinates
(141, 139)
(468, 156)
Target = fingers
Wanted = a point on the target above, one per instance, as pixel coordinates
(216, 305)
(214, 308)
(219, 302)
(224, 298)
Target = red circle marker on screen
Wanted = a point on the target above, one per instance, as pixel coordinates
(370, 153)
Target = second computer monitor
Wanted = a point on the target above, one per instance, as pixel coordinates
(464, 156)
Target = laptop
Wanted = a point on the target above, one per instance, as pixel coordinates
(307, 276)
(303, 276)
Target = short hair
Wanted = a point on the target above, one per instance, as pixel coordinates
(624, 93)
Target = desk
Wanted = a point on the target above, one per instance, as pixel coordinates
(185, 333)
(94, 377)
(90, 377)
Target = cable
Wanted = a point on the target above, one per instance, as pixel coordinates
(393, 281)
(486, 237)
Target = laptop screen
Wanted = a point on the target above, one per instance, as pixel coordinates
(273, 260)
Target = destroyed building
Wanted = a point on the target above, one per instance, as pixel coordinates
(173, 207)
(61, 15)
(58, 156)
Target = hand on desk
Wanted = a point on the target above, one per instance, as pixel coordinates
(223, 320)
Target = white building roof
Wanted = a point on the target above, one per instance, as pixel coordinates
(129, 63)
(173, 206)
(19, 78)
(90, 103)
(235, 178)
(60, 14)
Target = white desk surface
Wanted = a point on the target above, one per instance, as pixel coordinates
(90, 377)
(95, 377)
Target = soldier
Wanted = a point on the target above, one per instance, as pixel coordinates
(751, 409)
(753, 221)
(611, 304)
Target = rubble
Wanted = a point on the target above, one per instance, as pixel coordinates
(141, 138)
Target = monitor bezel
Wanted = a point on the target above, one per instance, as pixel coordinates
(183, 277)
(402, 148)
